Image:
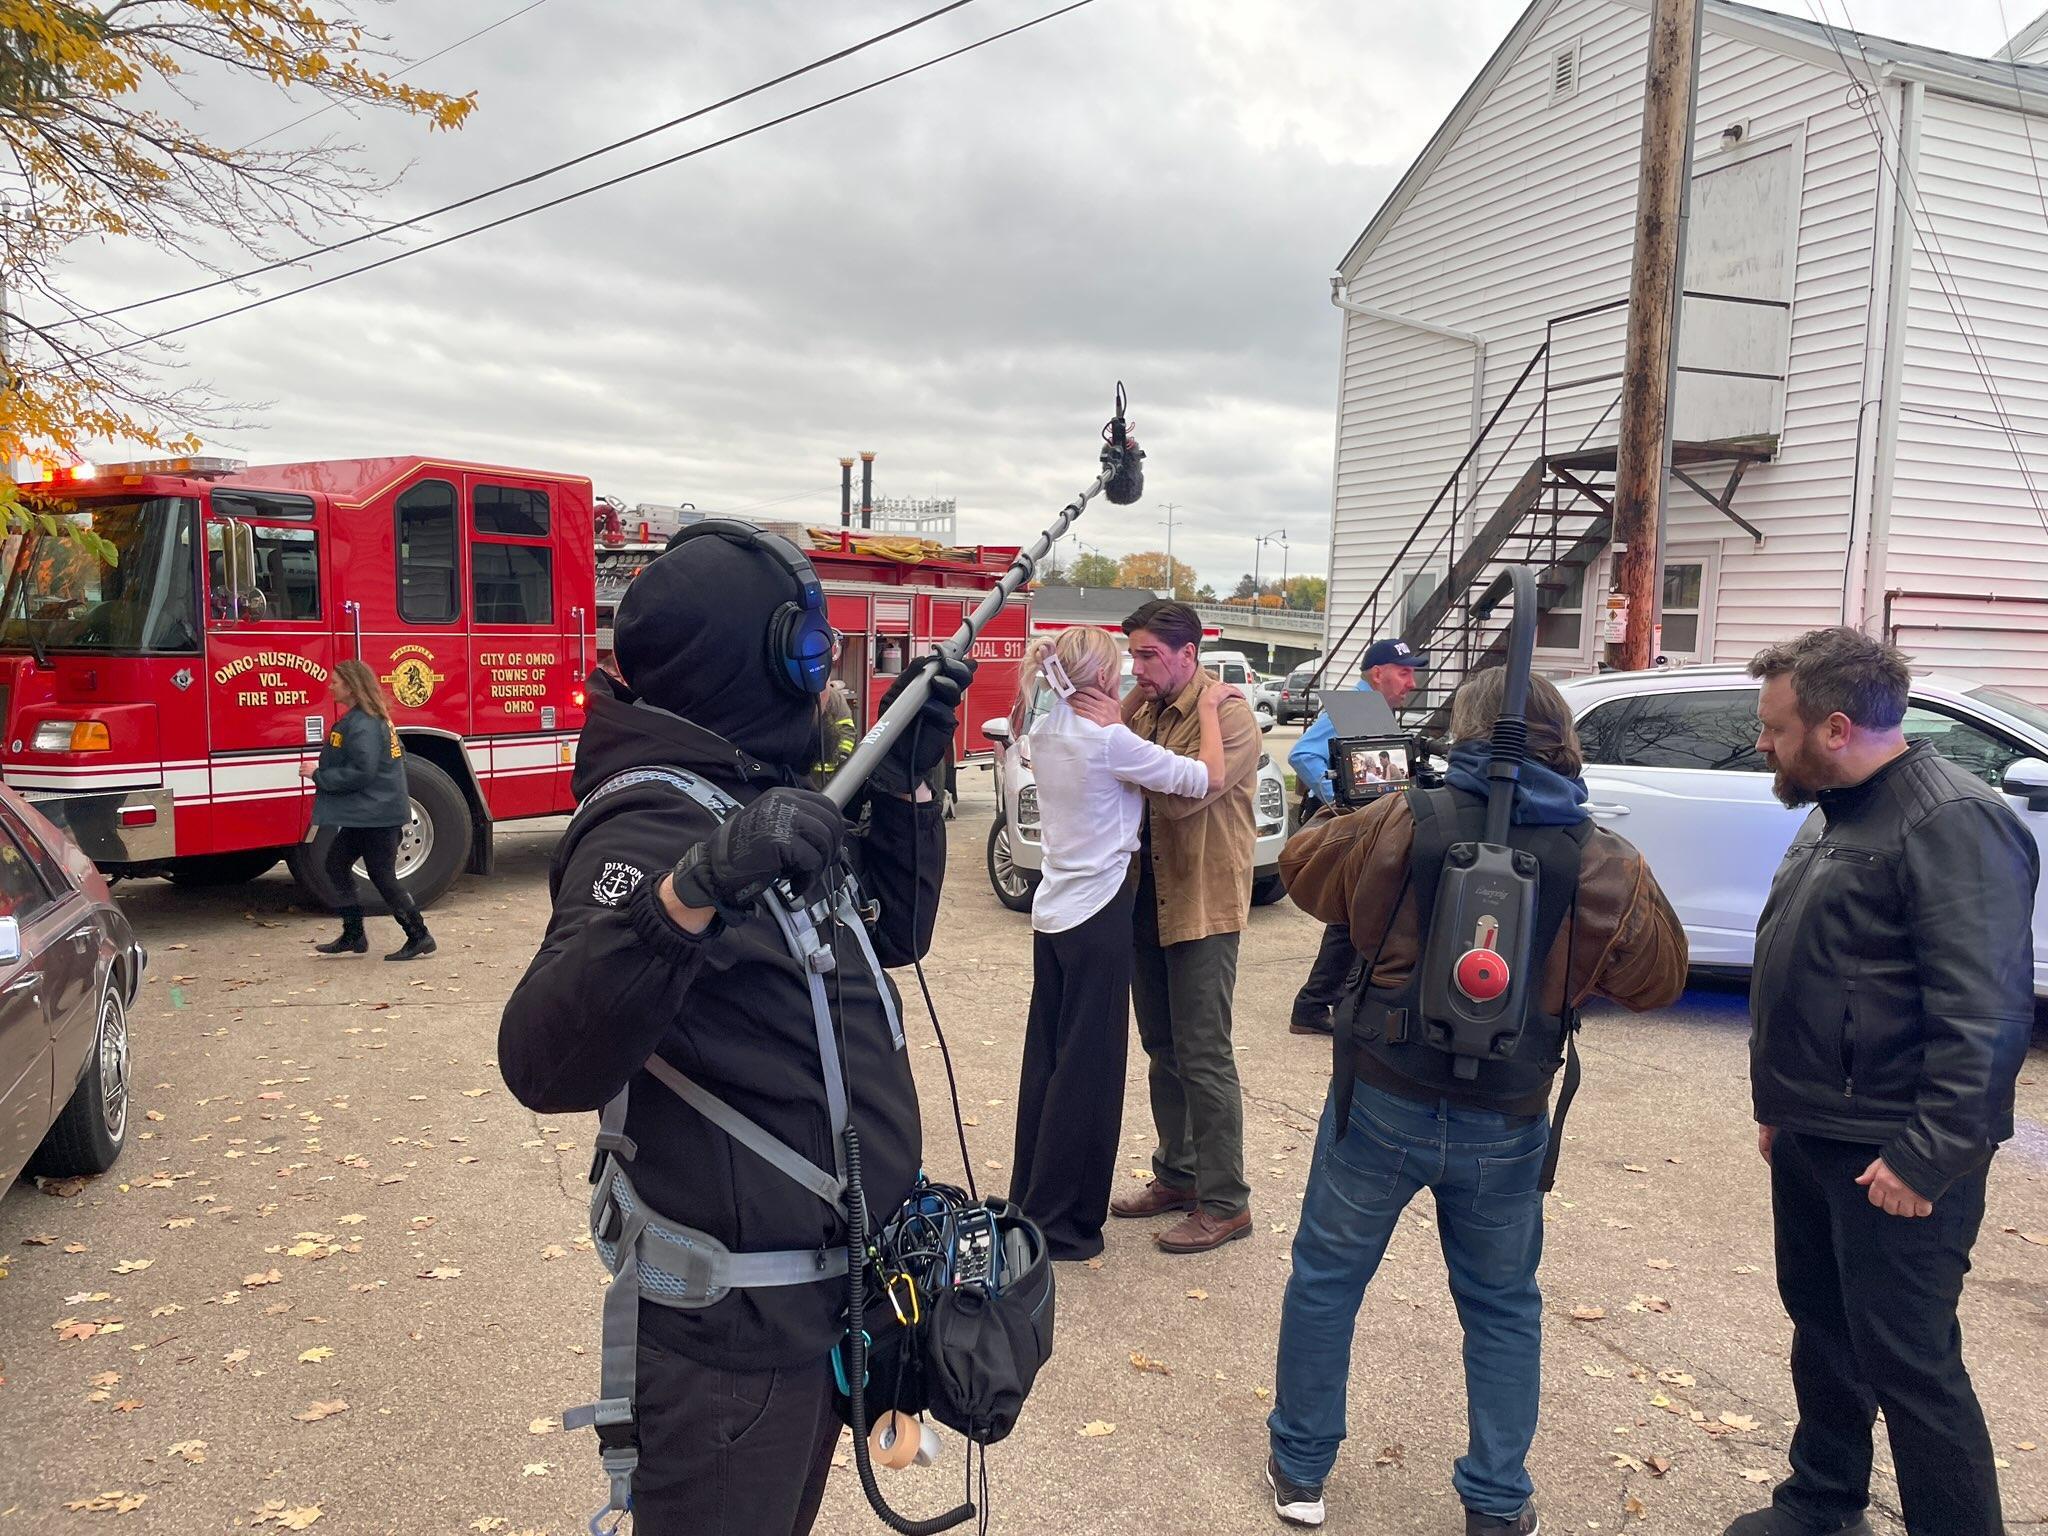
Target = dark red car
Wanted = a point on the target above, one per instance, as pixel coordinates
(70, 967)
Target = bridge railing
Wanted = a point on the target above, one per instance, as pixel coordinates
(1268, 618)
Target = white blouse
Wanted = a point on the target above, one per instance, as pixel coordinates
(1091, 808)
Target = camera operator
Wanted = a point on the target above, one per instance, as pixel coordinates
(1388, 668)
(1477, 1142)
(1892, 997)
(658, 946)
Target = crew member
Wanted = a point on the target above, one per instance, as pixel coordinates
(359, 790)
(837, 733)
(1477, 1143)
(1194, 895)
(733, 1400)
(1090, 771)
(1388, 668)
(1892, 1000)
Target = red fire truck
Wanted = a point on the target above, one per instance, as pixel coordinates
(160, 707)
(890, 607)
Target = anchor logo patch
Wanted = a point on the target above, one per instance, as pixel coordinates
(616, 884)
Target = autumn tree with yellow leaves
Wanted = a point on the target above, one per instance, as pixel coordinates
(90, 155)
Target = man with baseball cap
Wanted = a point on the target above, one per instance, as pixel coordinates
(1388, 668)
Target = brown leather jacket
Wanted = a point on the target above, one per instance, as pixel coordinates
(1201, 846)
(1629, 946)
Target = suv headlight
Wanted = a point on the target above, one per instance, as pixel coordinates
(1027, 806)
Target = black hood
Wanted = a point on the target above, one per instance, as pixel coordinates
(692, 637)
(622, 731)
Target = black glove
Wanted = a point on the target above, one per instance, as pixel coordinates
(787, 832)
(929, 736)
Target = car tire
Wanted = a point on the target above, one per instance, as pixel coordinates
(439, 837)
(1014, 887)
(92, 1129)
(1267, 889)
(205, 870)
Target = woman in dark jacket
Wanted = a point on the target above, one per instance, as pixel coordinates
(360, 780)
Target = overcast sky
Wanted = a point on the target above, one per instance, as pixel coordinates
(952, 271)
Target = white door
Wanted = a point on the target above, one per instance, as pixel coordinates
(1679, 776)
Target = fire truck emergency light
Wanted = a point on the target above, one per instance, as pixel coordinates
(72, 736)
(200, 465)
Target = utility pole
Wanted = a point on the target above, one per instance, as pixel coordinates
(1669, 91)
(1170, 507)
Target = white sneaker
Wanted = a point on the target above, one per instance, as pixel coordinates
(1296, 1503)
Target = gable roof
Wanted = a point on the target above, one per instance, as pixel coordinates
(1999, 81)
(2027, 39)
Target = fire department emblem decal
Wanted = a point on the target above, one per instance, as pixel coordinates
(412, 678)
(182, 679)
(616, 884)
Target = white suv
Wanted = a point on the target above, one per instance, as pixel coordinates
(1672, 765)
(1015, 854)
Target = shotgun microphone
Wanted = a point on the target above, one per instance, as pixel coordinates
(1123, 461)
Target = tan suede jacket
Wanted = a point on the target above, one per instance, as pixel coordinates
(1202, 848)
(1628, 947)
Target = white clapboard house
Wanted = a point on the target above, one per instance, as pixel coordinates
(1861, 419)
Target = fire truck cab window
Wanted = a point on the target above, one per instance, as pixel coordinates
(61, 596)
(514, 583)
(509, 510)
(288, 572)
(427, 575)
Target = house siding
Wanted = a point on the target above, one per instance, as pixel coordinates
(1969, 511)
(1530, 214)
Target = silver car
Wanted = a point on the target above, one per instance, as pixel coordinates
(1015, 854)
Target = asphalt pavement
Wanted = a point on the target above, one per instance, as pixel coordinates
(340, 1281)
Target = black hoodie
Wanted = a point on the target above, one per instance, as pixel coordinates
(616, 981)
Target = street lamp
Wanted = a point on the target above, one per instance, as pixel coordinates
(1277, 536)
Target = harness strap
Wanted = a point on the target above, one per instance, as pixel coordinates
(618, 1368)
(770, 1149)
(1358, 985)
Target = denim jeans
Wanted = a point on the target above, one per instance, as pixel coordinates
(1484, 1169)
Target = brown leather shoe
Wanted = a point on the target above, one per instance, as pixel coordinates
(1201, 1232)
(1155, 1199)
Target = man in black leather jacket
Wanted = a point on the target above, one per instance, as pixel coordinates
(1892, 996)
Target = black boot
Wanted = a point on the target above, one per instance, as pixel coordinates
(417, 940)
(353, 940)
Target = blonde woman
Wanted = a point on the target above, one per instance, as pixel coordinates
(359, 790)
(1090, 770)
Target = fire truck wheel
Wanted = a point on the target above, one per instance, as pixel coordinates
(1014, 887)
(208, 869)
(432, 851)
(1267, 889)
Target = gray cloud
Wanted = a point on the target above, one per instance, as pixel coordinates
(951, 271)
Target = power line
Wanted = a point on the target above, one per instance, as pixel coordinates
(528, 180)
(1906, 182)
(570, 197)
(531, 5)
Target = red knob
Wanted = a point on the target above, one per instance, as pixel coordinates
(1481, 975)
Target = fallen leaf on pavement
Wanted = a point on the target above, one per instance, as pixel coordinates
(1635, 1168)
(1197, 1294)
(534, 1469)
(104, 1379)
(1390, 1455)
(287, 1518)
(1755, 1475)
(440, 1272)
(1588, 1314)
(318, 1411)
(1677, 1379)
(193, 1451)
(352, 1219)
(1142, 1362)
(268, 1277)
(1741, 1421)
(542, 1427)
(117, 1502)
(128, 1405)
(131, 1266)
(234, 1357)
(1598, 1372)
(554, 1251)
(1745, 1269)
(78, 1298)
(178, 1223)
(1658, 1465)
(2025, 1445)
(1096, 1429)
(1624, 1462)
(1659, 1264)
(41, 1239)
(315, 1355)
(1634, 1506)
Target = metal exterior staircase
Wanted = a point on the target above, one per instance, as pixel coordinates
(1557, 518)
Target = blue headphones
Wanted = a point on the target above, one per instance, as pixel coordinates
(799, 635)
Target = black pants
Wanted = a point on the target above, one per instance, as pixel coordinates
(377, 847)
(1872, 1300)
(1070, 1099)
(1325, 984)
(730, 1453)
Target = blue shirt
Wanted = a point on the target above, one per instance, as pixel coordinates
(1310, 758)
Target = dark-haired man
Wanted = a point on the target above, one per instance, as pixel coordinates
(1893, 998)
(1194, 893)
